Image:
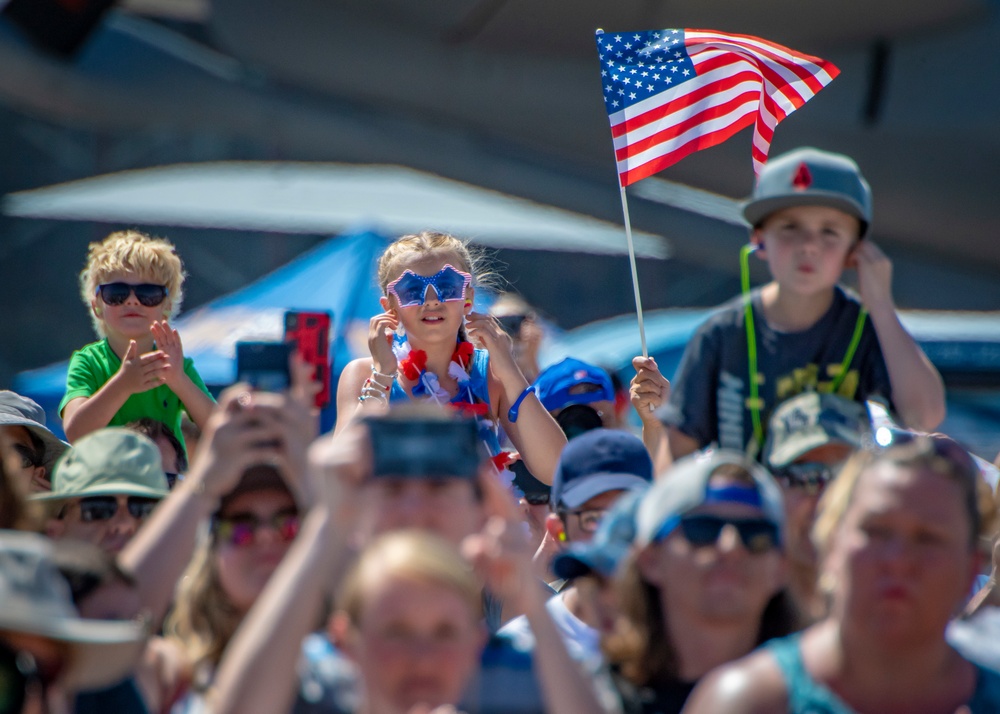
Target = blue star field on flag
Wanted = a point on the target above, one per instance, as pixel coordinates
(637, 65)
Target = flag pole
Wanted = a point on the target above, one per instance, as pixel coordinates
(635, 272)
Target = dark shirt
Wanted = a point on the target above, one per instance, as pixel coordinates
(121, 698)
(709, 395)
(666, 698)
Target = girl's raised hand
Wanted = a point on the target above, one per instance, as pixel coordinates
(484, 331)
(380, 330)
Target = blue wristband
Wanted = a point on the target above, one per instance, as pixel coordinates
(512, 412)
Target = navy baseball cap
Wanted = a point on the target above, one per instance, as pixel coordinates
(558, 386)
(610, 544)
(596, 462)
(810, 177)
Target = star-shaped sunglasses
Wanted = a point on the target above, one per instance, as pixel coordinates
(411, 289)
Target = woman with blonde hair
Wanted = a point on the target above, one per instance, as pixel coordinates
(898, 536)
(250, 533)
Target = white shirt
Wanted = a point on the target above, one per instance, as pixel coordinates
(582, 640)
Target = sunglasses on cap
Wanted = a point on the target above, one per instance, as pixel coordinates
(147, 294)
(104, 508)
(701, 530)
(20, 673)
(411, 289)
(811, 477)
(241, 530)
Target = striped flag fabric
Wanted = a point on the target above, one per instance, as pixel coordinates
(669, 93)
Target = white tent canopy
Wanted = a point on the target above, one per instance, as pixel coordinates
(325, 198)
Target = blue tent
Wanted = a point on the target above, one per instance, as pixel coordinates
(338, 275)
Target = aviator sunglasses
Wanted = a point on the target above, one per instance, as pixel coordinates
(241, 530)
(104, 508)
(758, 535)
(147, 294)
(411, 289)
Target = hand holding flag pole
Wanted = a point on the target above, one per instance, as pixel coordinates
(669, 93)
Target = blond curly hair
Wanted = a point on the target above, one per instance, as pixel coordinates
(131, 251)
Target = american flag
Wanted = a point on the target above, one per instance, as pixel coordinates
(672, 92)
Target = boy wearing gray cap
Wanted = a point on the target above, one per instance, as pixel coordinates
(810, 212)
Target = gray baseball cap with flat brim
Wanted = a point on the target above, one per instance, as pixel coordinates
(108, 462)
(17, 410)
(810, 177)
(36, 601)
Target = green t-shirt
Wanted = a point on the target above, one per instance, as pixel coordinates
(92, 366)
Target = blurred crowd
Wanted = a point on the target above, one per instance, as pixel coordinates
(782, 531)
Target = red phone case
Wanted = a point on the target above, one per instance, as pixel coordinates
(310, 331)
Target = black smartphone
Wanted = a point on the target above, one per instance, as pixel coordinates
(264, 365)
(425, 448)
(511, 324)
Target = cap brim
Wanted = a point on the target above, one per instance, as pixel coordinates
(104, 489)
(580, 491)
(103, 651)
(585, 559)
(794, 448)
(54, 446)
(756, 211)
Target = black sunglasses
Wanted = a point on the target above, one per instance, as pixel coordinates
(811, 477)
(537, 498)
(758, 535)
(19, 673)
(29, 457)
(104, 508)
(147, 294)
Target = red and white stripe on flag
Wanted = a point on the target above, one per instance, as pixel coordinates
(736, 80)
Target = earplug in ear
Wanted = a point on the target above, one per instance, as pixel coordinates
(562, 536)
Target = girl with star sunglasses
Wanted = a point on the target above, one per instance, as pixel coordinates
(429, 344)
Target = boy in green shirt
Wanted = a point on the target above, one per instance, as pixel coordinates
(132, 285)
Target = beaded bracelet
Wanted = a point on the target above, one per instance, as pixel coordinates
(369, 392)
(376, 373)
(372, 383)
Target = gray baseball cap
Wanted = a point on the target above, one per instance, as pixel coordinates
(108, 462)
(810, 177)
(17, 410)
(810, 420)
(685, 487)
